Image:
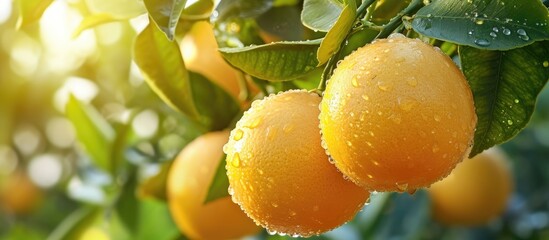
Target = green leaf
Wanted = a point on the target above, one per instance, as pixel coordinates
(155, 221)
(282, 22)
(505, 86)
(241, 9)
(155, 186)
(405, 216)
(93, 132)
(127, 204)
(30, 11)
(220, 184)
(321, 15)
(493, 25)
(280, 61)
(165, 13)
(161, 63)
(73, 226)
(217, 107)
(200, 9)
(92, 21)
(333, 39)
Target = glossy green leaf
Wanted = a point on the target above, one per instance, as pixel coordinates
(220, 184)
(321, 15)
(93, 132)
(165, 13)
(127, 204)
(75, 223)
(161, 63)
(333, 39)
(30, 11)
(505, 86)
(276, 61)
(493, 25)
(217, 107)
(200, 9)
(92, 21)
(282, 22)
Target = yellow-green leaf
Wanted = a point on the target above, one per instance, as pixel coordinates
(30, 11)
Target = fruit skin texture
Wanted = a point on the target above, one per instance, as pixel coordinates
(279, 173)
(475, 192)
(188, 182)
(397, 115)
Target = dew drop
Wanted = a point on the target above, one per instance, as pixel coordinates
(493, 34)
(271, 232)
(506, 32)
(354, 81)
(292, 213)
(255, 123)
(349, 143)
(437, 118)
(402, 187)
(274, 204)
(365, 97)
(230, 190)
(370, 176)
(412, 81)
(435, 148)
(517, 101)
(260, 172)
(510, 122)
(482, 42)
(521, 32)
(238, 134)
(479, 22)
(495, 29)
(524, 37)
(236, 160)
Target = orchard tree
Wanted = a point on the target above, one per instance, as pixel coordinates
(286, 118)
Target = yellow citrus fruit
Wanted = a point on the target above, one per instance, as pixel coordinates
(475, 192)
(199, 50)
(279, 173)
(397, 115)
(19, 195)
(187, 186)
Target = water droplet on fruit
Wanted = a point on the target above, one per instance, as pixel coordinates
(437, 117)
(435, 148)
(354, 81)
(370, 176)
(402, 187)
(349, 143)
(365, 97)
(230, 190)
(412, 81)
(235, 160)
(274, 204)
(255, 123)
(271, 232)
(238, 134)
(292, 213)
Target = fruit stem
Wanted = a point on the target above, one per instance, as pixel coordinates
(396, 21)
(330, 66)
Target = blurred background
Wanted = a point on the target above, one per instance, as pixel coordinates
(51, 189)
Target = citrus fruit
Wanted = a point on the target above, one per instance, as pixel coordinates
(187, 186)
(18, 194)
(199, 50)
(397, 115)
(475, 192)
(279, 173)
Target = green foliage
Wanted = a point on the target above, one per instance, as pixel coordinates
(276, 61)
(94, 132)
(220, 184)
(162, 65)
(321, 15)
(505, 86)
(493, 25)
(31, 10)
(337, 34)
(165, 13)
